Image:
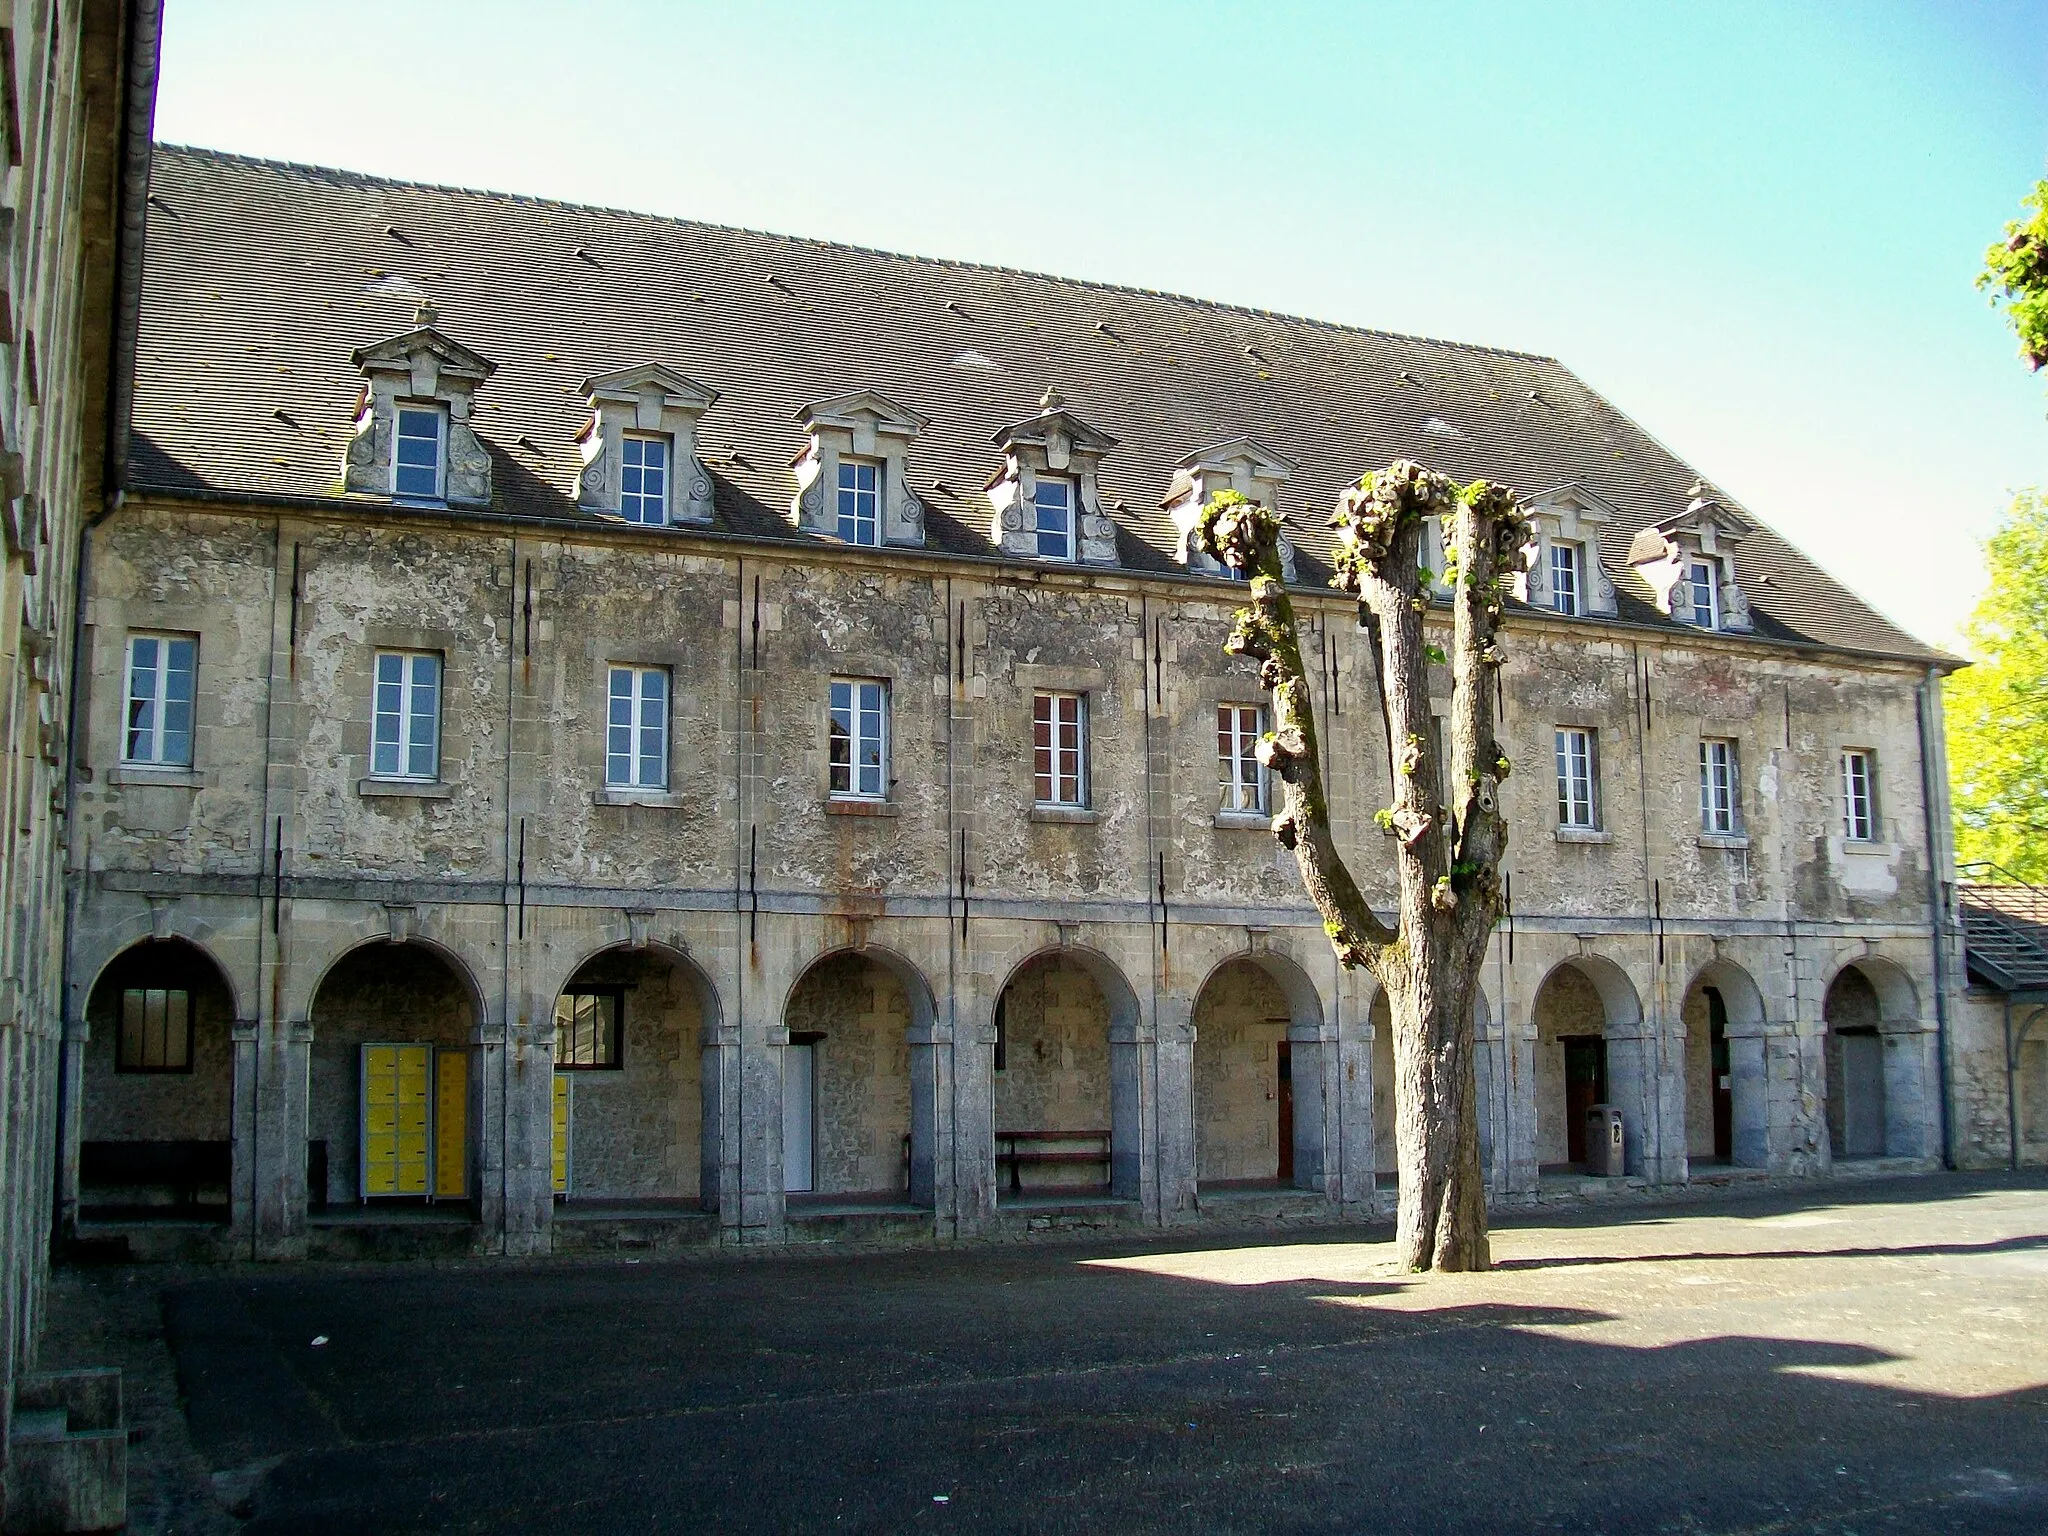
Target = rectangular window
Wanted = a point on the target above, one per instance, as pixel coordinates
(156, 1031)
(589, 1024)
(860, 501)
(1706, 594)
(416, 456)
(1241, 777)
(1720, 811)
(636, 729)
(407, 739)
(160, 678)
(1564, 577)
(643, 480)
(860, 738)
(1059, 736)
(1053, 502)
(1578, 778)
(1859, 796)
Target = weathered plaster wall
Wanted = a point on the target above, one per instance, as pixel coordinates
(635, 1133)
(381, 992)
(1056, 1072)
(863, 1068)
(1241, 1018)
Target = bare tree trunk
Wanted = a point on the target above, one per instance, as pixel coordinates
(1445, 816)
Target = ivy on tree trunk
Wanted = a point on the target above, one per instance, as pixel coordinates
(1445, 821)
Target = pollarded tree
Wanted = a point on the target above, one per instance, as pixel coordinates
(2016, 272)
(1445, 822)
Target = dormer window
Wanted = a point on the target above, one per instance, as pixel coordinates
(1564, 577)
(1706, 593)
(643, 479)
(1242, 465)
(417, 463)
(640, 447)
(413, 440)
(853, 475)
(1053, 503)
(1044, 496)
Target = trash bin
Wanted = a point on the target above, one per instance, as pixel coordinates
(1603, 1142)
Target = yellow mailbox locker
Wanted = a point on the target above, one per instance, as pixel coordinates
(560, 1160)
(396, 1119)
(451, 1125)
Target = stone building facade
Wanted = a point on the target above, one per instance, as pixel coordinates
(750, 726)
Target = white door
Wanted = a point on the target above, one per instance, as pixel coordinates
(799, 1074)
(1863, 1095)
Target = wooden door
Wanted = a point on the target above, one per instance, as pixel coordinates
(394, 1123)
(1862, 1094)
(451, 1125)
(1286, 1128)
(1585, 1084)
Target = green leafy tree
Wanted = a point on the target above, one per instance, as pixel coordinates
(2016, 272)
(1998, 709)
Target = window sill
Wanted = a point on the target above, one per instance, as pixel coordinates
(1077, 815)
(1869, 850)
(851, 807)
(168, 778)
(1723, 840)
(661, 799)
(1243, 821)
(1583, 835)
(405, 789)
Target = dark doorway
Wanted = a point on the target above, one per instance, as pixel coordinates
(1286, 1097)
(1585, 1084)
(1724, 1081)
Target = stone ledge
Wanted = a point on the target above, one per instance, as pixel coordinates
(1243, 821)
(1583, 835)
(140, 774)
(851, 807)
(1723, 840)
(659, 799)
(1075, 815)
(404, 789)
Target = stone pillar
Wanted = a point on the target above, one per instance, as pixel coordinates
(1491, 1079)
(927, 1066)
(972, 1148)
(1519, 1104)
(1133, 1152)
(529, 1208)
(244, 1039)
(1175, 1059)
(283, 1068)
(763, 1203)
(1631, 1074)
(1353, 1099)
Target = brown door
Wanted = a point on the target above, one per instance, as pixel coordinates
(1585, 1084)
(1724, 1082)
(1286, 1097)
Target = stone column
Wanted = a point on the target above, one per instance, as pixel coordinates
(1631, 1073)
(283, 1067)
(1174, 1057)
(242, 1126)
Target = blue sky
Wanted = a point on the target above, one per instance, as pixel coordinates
(1753, 227)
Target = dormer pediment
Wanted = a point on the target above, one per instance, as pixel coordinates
(1245, 455)
(1058, 432)
(1689, 563)
(1576, 510)
(634, 386)
(434, 360)
(864, 408)
(1043, 497)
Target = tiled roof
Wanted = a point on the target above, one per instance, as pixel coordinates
(261, 278)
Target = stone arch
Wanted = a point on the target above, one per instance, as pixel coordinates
(1726, 1098)
(1589, 1049)
(1381, 1015)
(390, 991)
(1067, 1064)
(1869, 1016)
(865, 1122)
(644, 1128)
(171, 926)
(157, 1084)
(345, 939)
(1257, 1068)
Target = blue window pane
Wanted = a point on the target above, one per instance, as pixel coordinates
(142, 692)
(179, 658)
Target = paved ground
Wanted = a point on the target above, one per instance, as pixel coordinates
(1851, 1358)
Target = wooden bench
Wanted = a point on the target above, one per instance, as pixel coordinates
(182, 1167)
(1017, 1150)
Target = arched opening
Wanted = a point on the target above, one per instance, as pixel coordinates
(1258, 1092)
(1725, 1119)
(157, 1113)
(629, 1116)
(1385, 1146)
(1578, 1009)
(855, 1124)
(391, 1115)
(1854, 1049)
(1065, 1105)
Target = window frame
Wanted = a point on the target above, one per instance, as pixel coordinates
(124, 1064)
(616, 1045)
(666, 443)
(439, 413)
(1235, 751)
(873, 494)
(636, 755)
(159, 701)
(406, 715)
(1048, 786)
(1568, 555)
(1068, 533)
(856, 739)
(1866, 757)
(1693, 565)
(1568, 803)
(1722, 780)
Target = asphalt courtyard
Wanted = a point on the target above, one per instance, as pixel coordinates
(1845, 1358)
